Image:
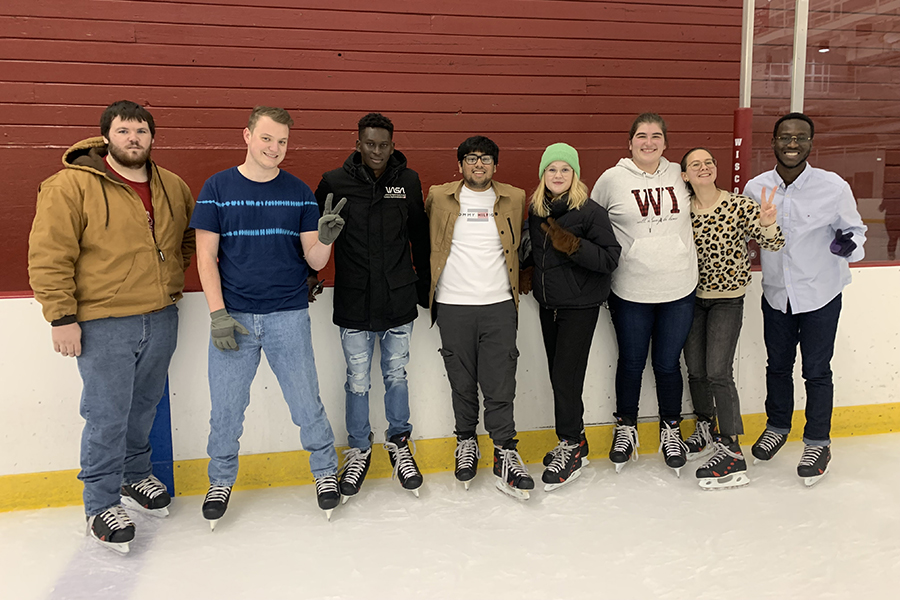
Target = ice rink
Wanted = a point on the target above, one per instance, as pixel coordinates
(640, 534)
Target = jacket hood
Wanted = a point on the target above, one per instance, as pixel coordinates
(354, 166)
(628, 165)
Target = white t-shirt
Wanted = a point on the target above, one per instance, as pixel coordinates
(476, 272)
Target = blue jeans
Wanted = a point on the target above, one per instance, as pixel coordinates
(123, 364)
(358, 346)
(286, 339)
(636, 323)
(709, 355)
(815, 333)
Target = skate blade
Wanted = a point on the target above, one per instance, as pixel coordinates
(696, 455)
(344, 500)
(466, 483)
(511, 491)
(328, 512)
(723, 483)
(212, 524)
(415, 492)
(811, 481)
(620, 466)
(129, 502)
(677, 471)
(549, 487)
(118, 548)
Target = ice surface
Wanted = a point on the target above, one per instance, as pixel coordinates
(639, 534)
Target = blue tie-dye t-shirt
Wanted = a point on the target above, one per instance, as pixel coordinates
(260, 256)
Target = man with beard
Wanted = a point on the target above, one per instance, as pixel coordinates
(802, 287)
(476, 227)
(107, 254)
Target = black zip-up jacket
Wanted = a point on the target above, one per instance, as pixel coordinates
(582, 279)
(376, 286)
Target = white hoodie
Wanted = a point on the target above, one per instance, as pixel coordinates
(651, 215)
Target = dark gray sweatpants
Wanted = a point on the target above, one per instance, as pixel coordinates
(479, 348)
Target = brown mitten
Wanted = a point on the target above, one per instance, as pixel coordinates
(562, 240)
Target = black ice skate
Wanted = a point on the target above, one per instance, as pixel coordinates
(112, 528)
(148, 495)
(568, 459)
(672, 446)
(353, 473)
(467, 455)
(548, 458)
(700, 442)
(512, 476)
(726, 468)
(405, 467)
(768, 444)
(215, 504)
(814, 464)
(625, 442)
(327, 493)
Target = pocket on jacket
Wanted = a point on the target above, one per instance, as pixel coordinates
(403, 295)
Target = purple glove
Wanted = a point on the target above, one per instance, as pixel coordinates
(842, 245)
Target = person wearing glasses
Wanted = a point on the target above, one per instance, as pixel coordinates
(653, 287)
(802, 287)
(722, 223)
(476, 227)
(574, 251)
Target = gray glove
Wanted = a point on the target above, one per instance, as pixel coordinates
(331, 223)
(222, 329)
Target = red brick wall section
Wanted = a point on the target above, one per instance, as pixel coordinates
(527, 73)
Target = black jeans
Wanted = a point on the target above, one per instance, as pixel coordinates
(568, 333)
(815, 332)
(709, 355)
(479, 348)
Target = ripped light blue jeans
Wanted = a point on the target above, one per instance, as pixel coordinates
(358, 346)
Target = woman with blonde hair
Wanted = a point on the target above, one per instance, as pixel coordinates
(574, 251)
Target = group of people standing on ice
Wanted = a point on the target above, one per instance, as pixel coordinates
(661, 245)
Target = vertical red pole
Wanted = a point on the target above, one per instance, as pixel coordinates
(742, 149)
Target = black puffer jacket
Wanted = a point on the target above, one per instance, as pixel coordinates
(375, 284)
(580, 280)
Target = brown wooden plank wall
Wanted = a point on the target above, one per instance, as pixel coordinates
(525, 72)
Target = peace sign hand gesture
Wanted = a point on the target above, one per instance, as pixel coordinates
(767, 210)
(331, 223)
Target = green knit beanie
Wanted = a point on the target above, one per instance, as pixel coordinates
(562, 152)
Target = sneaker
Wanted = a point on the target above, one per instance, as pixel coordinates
(405, 467)
(467, 455)
(216, 503)
(671, 444)
(768, 444)
(814, 463)
(568, 459)
(328, 494)
(512, 476)
(625, 442)
(353, 473)
(148, 495)
(702, 438)
(725, 468)
(113, 528)
(548, 458)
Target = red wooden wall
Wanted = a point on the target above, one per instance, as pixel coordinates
(527, 73)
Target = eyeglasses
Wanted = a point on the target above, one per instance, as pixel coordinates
(709, 163)
(787, 139)
(472, 159)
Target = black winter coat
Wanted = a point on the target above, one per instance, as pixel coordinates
(375, 285)
(580, 280)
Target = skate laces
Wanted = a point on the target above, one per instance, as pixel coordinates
(403, 460)
(150, 487)
(670, 441)
(810, 455)
(354, 464)
(328, 483)
(218, 493)
(467, 452)
(769, 440)
(701, 436)
(511, 464)
(720, 451)
(116, 518)
(625, 435)
(561, 455)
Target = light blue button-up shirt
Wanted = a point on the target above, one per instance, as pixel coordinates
(810, 211)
